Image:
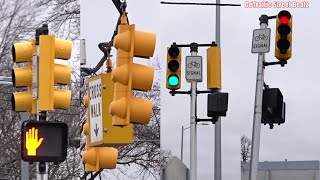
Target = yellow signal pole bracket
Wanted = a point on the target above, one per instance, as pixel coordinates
(129, 76)
(112, 136)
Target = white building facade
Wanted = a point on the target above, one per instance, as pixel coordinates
(284, 170)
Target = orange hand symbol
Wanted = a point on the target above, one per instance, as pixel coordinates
(32, 142)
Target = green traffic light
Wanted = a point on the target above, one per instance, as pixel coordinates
(173, 80)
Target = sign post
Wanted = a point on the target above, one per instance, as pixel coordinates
(258, 98)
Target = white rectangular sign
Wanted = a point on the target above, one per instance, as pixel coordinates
(194, 68)
(261, 40)
(95, 110)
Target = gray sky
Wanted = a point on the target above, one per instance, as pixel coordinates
(294, 140)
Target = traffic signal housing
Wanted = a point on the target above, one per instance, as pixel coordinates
(214, 67)
(44, 141)
(50, 98)
(101, 92)
(96, 158)
(173, 67)
(217, 104)
(129, 76)
(22, 76)
(283, 45)
(273, 107)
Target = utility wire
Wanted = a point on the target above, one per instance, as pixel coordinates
(202, 4)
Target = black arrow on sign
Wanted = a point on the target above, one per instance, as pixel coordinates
(96, 130)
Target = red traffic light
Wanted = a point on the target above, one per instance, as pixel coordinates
(284, 20)
(284, 17)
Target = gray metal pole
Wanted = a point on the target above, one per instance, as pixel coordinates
(24, 165)
(182, 143)
(257, 110)
(217, 131)
(193, 129)
(42, 172)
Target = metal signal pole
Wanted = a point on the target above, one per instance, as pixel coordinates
(217, 127)
(258, 109)
(193, 123)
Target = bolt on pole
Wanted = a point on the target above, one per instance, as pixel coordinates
(258, 109)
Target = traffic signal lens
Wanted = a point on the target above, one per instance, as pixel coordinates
(284, 20)
(173, 80)
(283, 45)
(284, 29)
(173, 65)
(173, 51)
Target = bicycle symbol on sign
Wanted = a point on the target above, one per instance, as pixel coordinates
(261, 37)
(193, 64)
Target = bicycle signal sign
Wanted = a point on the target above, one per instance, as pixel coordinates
(194, 68)
(261, 40)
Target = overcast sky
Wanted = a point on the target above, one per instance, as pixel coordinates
(295, 140)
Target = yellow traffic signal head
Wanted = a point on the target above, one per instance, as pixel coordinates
(283, 46)
(129, 76)
(23, 52)
(101, 157)
(214, 67)
(22, 77)
(173, 80)
(51, 73)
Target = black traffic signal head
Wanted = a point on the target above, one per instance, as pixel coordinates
(173, 67)
(217, 104)
(273, 107)
(44, 141)
(283, 35)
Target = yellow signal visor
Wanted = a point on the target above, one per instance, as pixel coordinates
(86, 101)
(63, 49)
(62, 74)
(86, 128)
(142, 76)
(107, 157)
(23, 52)
(101, 157)
(143, 43)
(135, 110)
(62, 99)
(22, 77)
(22, 101)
